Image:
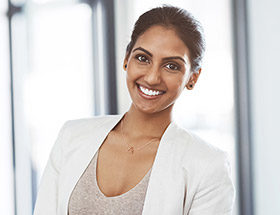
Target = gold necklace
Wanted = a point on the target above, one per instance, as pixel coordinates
(132, 148)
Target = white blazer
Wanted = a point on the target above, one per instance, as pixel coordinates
(188, 176)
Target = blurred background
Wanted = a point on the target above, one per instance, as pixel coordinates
(62, 59)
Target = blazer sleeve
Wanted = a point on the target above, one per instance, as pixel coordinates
(216, 193)
(47, 196)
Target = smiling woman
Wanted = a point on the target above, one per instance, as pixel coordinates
(141, 162)
(158, 69)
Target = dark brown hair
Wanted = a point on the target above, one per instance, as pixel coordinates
(186, 26)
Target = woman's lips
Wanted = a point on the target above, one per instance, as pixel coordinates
(149, 93)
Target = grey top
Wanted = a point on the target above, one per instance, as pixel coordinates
(87, 198)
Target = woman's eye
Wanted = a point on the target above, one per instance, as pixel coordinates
(172, 66)
(142, 58)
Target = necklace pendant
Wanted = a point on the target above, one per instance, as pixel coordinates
(131, 149)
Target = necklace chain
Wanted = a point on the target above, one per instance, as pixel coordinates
(131, 148)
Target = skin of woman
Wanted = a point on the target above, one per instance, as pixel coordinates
(159, 62)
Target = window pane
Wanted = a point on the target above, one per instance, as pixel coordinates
(6, 153)
(59, 86)
(53, 82)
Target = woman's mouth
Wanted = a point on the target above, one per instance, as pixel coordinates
(149, 93)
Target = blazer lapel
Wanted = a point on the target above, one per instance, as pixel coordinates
(84, 152)
(165, 192)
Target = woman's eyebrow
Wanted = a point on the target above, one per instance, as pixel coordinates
(144, 50)
(175, 57)
(166, 58)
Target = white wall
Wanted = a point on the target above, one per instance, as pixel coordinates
(264, 42)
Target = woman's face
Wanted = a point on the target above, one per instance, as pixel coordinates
(158, 69)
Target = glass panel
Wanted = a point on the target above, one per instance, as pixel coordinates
(6, 153)
(52, 59)
(18, 2)
(208, 110)
(3, 8)
(59, 86)
(22, 140)
(48, 2)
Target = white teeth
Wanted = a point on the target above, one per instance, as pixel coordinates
(149, 92)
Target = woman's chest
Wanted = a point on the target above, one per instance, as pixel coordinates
(119, 170)
(167, 182)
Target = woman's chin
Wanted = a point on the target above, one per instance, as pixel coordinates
(145, 109)
(151, 110)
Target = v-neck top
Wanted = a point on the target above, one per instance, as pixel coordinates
(87, 198)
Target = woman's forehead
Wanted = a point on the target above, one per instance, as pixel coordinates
(162, 41)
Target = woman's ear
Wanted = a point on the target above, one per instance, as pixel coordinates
(125, 65)
(193, 79)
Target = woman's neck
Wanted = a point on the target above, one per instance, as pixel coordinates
(140, 124)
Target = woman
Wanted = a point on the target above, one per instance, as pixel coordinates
(141, 162)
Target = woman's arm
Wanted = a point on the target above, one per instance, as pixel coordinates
(47, 195)
(215, 194)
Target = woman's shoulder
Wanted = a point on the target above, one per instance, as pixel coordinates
(196, 150)
(88, 122)
(208, 171)
(203, 162)
(193, 143)
(96, 120)
(74, 130)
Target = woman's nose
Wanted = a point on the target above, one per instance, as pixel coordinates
(153, 76)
